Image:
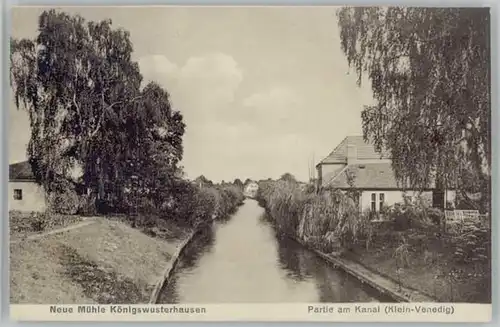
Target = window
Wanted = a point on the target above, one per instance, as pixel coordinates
(18, 194)
(374, 202)
(381, 199)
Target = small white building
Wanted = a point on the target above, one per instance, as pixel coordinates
(25, 194)
(354, 164)
(251, 189)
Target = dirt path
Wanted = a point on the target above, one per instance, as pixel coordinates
(87, 222)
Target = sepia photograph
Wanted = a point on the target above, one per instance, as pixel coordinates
(176, 155)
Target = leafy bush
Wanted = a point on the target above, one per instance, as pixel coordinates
(413, 215)
(193, 204)
(35, 222)
(436, 216)
(38, 221)
(203, 206)
(327, 219)
(87, 206)
(472, 242)
(180, 206)
(402, 254)
(66, 202)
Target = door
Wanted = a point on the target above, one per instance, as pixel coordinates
(438, 199)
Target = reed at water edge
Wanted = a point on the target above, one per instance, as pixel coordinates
(327, 220)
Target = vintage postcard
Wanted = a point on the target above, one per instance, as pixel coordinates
(250, 164)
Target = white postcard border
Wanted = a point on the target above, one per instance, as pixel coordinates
(300, 312)
(463, 312)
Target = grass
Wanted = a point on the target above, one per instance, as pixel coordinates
(105, 262)
(156, 227)
(23, 224)
(427, 270)
(102, 285)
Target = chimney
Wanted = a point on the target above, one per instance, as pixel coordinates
(352, 154)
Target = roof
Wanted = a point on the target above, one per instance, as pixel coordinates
(366, 176)
(364, 150)
(21, 171)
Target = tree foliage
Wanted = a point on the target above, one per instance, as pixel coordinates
(202, 180)
(288, 177)
(430, 74)
(237, 182)
(87, 109)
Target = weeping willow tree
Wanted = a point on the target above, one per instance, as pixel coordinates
(87, 108)
(429, 70)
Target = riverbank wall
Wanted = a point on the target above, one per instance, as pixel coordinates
(383, 285)
(172, 264)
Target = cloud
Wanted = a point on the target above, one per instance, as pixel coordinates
(227, 129)
(275, 98)
(214, 78)
(279, 109)
(204, 90)
(19, 132)
(204, 85)
(158, 68)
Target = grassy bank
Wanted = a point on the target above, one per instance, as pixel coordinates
(410, 247)
(113, 259)
(105, 262)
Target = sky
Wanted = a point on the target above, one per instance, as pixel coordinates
(263, 90)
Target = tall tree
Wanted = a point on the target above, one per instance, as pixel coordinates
(237, 182)
(86, 107)
(430, 74)
(72, 78)
(159, 142)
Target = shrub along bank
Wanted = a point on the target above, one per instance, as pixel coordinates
(411, 246)
(189, 207)
(186, 206)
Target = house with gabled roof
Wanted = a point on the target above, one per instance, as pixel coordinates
(250, 189)
(355, 164)
(25, 194)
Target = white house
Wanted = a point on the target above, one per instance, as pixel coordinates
(251, 189)
(25, 194)
(354, 163)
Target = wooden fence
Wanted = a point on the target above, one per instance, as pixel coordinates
(454, 217)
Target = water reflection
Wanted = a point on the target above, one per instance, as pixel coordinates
(245, 260)
(333, 285)
(201, 244)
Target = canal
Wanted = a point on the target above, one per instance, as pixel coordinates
(244, 260)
